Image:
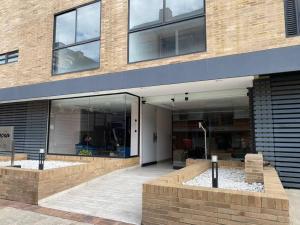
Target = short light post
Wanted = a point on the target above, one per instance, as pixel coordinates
(215, 172)
(41, 159)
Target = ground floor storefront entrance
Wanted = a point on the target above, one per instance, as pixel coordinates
(162, 123)
(170, 123)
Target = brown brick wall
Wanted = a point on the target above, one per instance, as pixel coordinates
(254, 167)
(17, 157)
(167, 201)
(29, 186)
(233, 26)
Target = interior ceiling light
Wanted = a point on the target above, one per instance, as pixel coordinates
(186, 97)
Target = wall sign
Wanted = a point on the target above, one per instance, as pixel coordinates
(6, 138)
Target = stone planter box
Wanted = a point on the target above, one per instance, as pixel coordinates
(167, 201)
(29, 186)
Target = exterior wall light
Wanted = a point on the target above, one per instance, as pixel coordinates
(41, 159)
(215, 172)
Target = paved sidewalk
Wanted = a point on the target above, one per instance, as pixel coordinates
(294, 197)
(116, 196)
(16, 213)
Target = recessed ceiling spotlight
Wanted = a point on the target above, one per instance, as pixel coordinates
(186, 97)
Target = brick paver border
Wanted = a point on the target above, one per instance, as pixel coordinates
(59, 213)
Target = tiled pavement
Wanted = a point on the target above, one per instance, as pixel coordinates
(294, 198)
(116, 196)
(15, 213)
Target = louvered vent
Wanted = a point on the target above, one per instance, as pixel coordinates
(291, 18)
(30, 122)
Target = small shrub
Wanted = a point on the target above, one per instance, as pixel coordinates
(85, 152)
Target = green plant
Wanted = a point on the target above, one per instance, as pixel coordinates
(85, 152)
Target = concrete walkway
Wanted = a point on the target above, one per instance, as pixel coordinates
(116, 196)
(294, 198)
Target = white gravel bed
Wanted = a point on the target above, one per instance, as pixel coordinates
(34, 164)
(233, 179)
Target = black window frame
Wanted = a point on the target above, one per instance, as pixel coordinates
(54, 48)
(162, 24)
(7, 57)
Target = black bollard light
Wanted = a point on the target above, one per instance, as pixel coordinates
(214, 168)
(41, 159)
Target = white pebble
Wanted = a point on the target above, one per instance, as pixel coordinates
(233, 179)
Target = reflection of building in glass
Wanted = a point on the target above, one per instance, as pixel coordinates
(72, 58)
(168, 13)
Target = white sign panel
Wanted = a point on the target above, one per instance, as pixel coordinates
(6, 138)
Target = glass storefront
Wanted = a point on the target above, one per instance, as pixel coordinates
(228, 135)
(106, 126)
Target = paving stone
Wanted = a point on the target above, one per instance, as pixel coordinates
(116, 196)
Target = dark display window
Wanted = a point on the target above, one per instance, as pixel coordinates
(95, 126)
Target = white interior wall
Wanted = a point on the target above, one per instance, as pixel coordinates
(164, 134)
(134, 128)
(64, 131)
(155, 120)
(148, 129)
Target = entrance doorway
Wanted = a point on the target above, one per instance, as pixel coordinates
(223, 114)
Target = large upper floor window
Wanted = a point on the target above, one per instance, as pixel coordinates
(9, 57)
(164, 28)
(292, 17)
(77, 39)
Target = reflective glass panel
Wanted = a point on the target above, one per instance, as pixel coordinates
(178, 9)
(145, 12)
(88, 22)
(2, 59)
(13, 57)
(93, 126)
(176, 39)
(65, 29)
(77, 58)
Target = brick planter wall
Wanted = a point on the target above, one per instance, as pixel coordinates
(29, 186)
(167, 201)
(254, 166)
(17, 157)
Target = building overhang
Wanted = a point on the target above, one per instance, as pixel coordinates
(270, 61)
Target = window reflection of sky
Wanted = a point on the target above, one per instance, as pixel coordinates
(88, 25)
(65, 28)
(143, 13)
(179, 7)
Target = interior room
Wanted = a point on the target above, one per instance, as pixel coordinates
(95, 126)
(196, 125)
